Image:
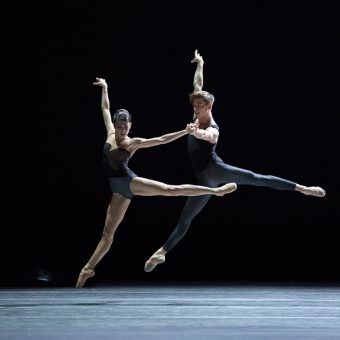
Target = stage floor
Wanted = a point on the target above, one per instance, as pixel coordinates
(172, 311)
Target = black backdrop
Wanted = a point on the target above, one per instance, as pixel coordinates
(274, 71)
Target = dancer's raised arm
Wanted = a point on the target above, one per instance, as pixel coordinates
(105, 106)
(198, 76)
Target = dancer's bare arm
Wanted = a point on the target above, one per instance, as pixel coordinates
(105, 104)
(198, 76)
(210, 134)
(137, 143)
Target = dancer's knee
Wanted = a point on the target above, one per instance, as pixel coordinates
(172, 190)
(258, 179)
(107, 236)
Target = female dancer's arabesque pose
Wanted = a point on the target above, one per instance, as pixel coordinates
(209, 169)
(124, 183)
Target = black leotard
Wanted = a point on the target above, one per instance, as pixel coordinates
(117, 171)
(201, 152)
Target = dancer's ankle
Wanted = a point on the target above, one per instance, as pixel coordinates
(300, 188)
(88, 267)
(161, 251)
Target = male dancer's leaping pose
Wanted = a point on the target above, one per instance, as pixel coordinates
(209, 169)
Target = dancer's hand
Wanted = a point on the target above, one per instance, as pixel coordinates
(100, 82)
(191, 128)
(198, 58)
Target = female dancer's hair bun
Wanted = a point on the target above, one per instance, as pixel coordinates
(121, 114)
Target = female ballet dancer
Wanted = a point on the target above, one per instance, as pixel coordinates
(124, 183)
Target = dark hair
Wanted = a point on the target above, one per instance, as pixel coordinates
(121, 115)
(206, 96)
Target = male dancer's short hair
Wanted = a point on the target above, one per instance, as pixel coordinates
(206, 96)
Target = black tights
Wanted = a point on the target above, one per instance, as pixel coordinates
(214, 174)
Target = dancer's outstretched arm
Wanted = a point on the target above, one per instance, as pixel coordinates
(105, 106)
(198, 76)
(137, 143)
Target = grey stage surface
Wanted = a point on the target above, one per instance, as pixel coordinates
(172, 311)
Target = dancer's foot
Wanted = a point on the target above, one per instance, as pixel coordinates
(85, 274)
(313, 191)
(157, 258)
(226, 189)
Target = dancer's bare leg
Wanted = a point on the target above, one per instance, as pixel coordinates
(147, 187)
(312, 191)
(115, 213)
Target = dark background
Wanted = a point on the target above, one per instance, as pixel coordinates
(273, 67)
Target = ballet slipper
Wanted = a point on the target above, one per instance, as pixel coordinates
(227, 189)
(314, 191)
(85, 274)
(153, 261)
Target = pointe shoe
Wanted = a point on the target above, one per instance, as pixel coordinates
(153, 261)
(227, 188)
(83, 276)
(315, 191)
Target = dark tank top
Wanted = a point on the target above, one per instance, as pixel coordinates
(116, 162)
(201, 152)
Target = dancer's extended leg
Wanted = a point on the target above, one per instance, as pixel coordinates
(147, 187)
(223, 173)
